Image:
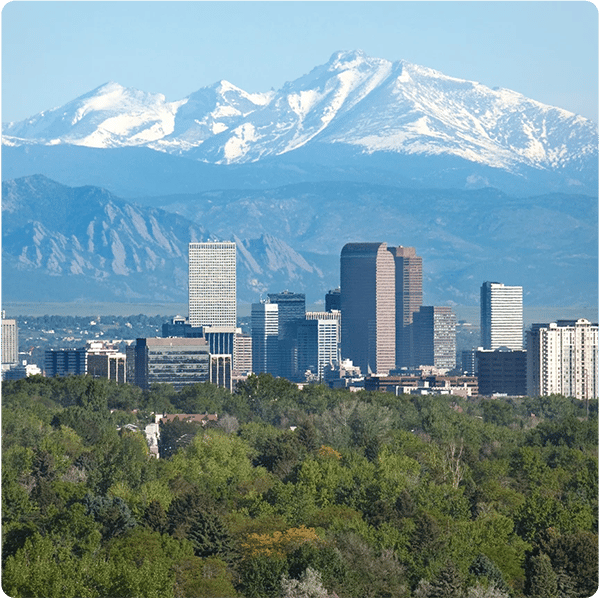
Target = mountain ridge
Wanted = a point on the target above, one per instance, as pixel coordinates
(353, 106)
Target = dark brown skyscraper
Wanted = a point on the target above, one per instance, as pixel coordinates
(368, 305)
(409, 298)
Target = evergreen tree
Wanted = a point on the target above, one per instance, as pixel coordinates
(541, 580)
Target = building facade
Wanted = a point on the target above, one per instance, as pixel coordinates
(10, 341)
(502, 371)
(501, 316)
(562, 358)
(409, 298)
(58, 363)
(368, 306)
(318, 343)
(264, 319)
(212, 284)
(434, 334)
(291, 310)
(175, 361)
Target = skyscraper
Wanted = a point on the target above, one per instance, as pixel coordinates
(10, 341)
(368, 306)
(291, 310)
(212, 284)
(264, 320)
(409, 297)
(562, 358)
(501, 316)
(435, 337)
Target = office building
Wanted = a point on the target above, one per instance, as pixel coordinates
(175, 361)
(368, 306)
(502, 371)
(332, 300)
(562, 358)
(501, 316)
(212, 284)
(10, 341)
(242, 353)
(264, 318)
(318, 343)
(409, 297)
(58, 363)
(434, 333)
(108, 366)
(291, 310)
(469, 362)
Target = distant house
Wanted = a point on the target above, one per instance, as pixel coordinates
(188, 418)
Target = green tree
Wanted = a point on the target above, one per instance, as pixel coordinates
(541, 580)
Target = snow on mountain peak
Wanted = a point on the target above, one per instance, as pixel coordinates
(369, 103)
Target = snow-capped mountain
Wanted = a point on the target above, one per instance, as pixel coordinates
(354, 105)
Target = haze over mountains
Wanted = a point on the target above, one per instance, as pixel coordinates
(358, 149)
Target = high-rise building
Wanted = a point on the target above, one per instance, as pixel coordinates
(368, 306)
(291, 310)
(175, 361)
(501, 316)
(58, 363)
(318, 342)
(10, 341)
(409, 297)
(220, 371)
(434, 332)
(242, 353)
(264, 319)
(502, 372)
(562, 358)
(212, 284)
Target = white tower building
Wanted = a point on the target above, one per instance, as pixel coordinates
(264, 320)
(212, 284)
(501, 316)
(562, 358)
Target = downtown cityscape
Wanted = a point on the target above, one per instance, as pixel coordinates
(300, 300)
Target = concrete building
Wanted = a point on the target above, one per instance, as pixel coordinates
(175, 361)
(368, 306)
(212, 284)
(108, 366)
(59, 363)
(10, 341)
(409, 297)
(264, 318)
(242, 353)
(220, 371)
(434, 333)
(562, 358)
(501, 316)
(462, 386)
(502, 371)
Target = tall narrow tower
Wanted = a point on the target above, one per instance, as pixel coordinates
(368, 304)
(501, 316)
(212, 284)
(265, 338)
(409, 298)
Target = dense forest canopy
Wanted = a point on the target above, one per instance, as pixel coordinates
(293, 492)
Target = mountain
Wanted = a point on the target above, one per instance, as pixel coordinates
(355, 118)
(85, 244)
(66, 244)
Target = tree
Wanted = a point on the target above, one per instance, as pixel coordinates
(308, 586)
(541, 580)
(448, 584)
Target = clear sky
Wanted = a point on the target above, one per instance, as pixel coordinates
(53, 52)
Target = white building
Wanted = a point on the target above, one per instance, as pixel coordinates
(264, 319)
(501, 316)
(212, 284)
(318, 343)
(562, 358)
(10, 341)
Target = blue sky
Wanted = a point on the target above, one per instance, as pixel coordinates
(53, 52)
